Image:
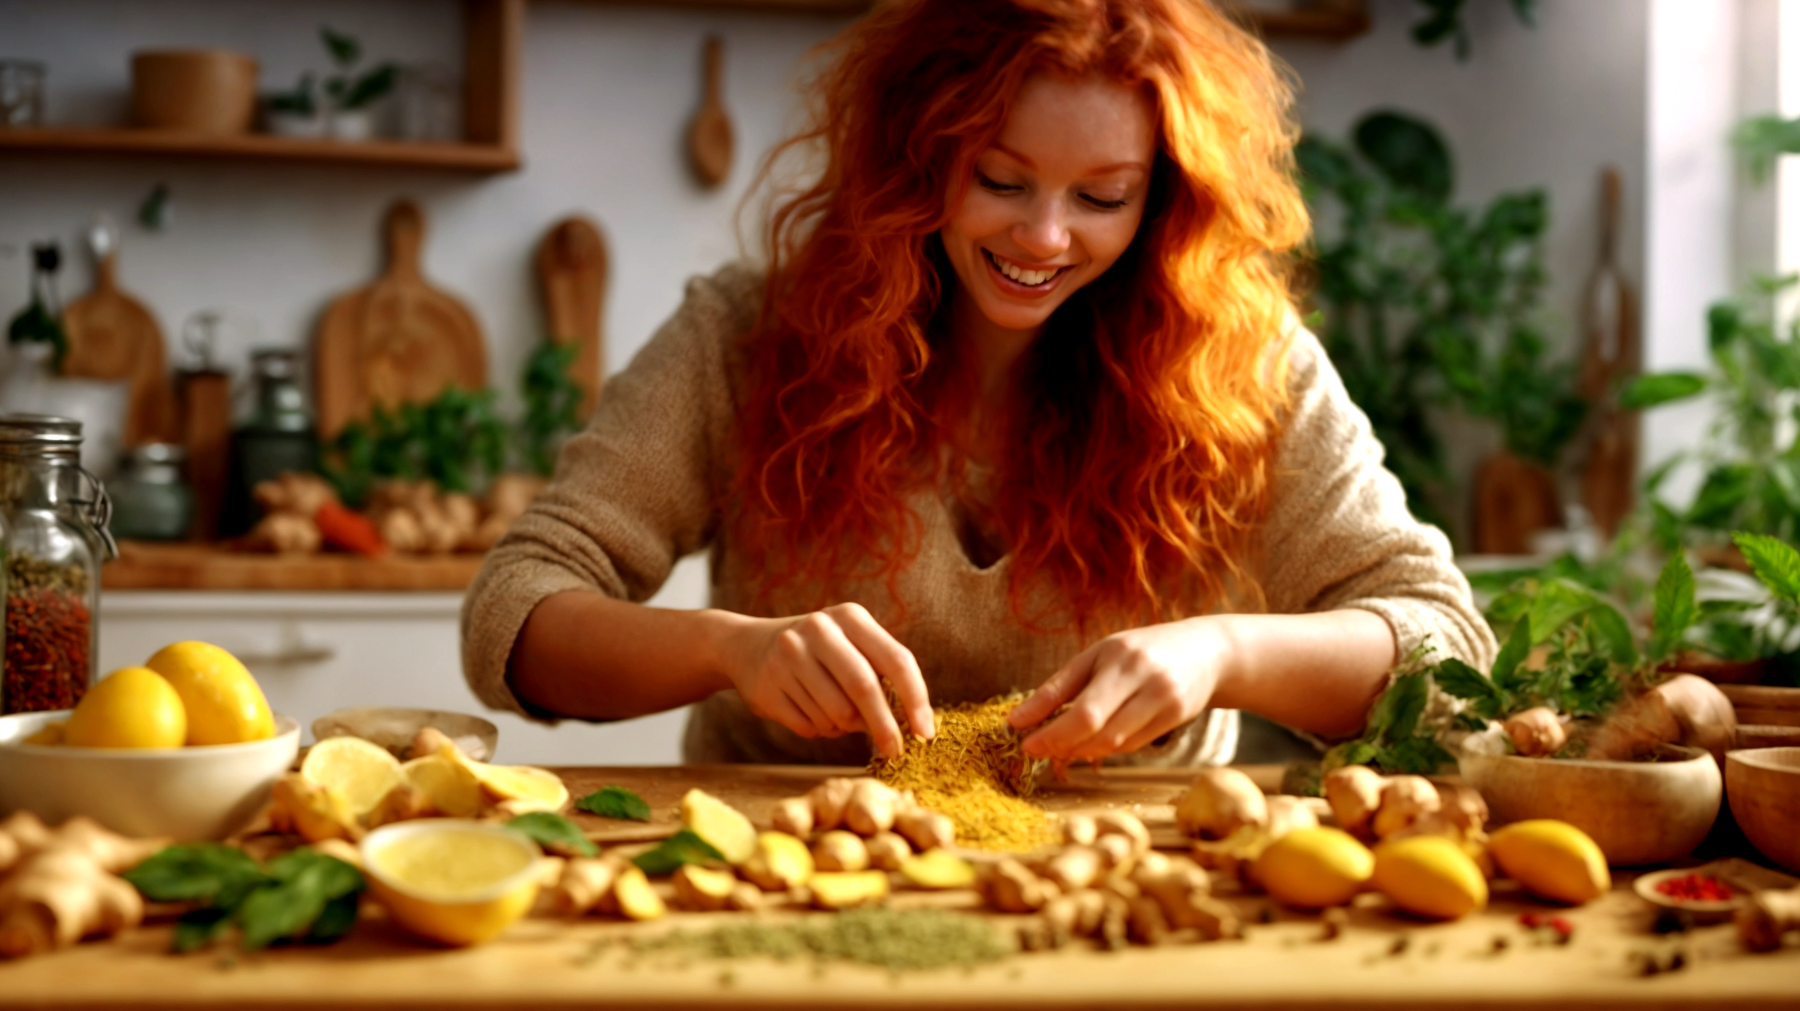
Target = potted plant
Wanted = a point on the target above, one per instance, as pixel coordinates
(1424, 305)
(294, 113)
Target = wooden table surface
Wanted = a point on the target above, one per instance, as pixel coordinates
(549, 963)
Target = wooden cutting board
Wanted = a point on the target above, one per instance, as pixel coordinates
(572, 270)
(1613, 354)
(398, 341)
(113, 336)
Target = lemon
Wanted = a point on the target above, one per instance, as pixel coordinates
(224, 703)
(1313, 868)
(1552, 859)
(530, 789)
(133, 707)
(1429, 876)
(447, 785)
(362, 773)
(452, 881)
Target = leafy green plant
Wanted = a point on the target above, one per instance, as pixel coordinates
(348, 89)
(301, 101)
(1444, 21)
(1751, 457)
(1424, 304)
(456, 440)
(552, 404)
(1763, 139)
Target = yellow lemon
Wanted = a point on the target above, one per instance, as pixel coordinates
(528, 788)
(1429, 876)
(1553, 859)
(452, 881)
(362, 773)
(1313, 868)
(224, 703)
(133, 707)
(449, 787)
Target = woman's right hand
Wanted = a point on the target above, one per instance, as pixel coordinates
(821, 674)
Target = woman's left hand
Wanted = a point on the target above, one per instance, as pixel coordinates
(1128, 689)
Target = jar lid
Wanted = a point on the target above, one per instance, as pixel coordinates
(39, 430)
(158, 453)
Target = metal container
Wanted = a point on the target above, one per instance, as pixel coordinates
(150, 501)
(278, 437)
(56, 540)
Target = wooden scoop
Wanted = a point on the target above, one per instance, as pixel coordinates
(113, 336)
(709, 135)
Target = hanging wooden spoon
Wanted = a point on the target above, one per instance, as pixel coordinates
(709, 135)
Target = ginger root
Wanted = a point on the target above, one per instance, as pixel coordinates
(1536, 732)
(701, 889)
(780, 862)
(925, 829)
(887, 851)
(793, 816)
(1767, 916)
(840, 851)
(1220, 802)
(61, 885)
(848, 889)
(1354, 793)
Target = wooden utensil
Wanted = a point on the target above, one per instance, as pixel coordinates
(205, 399)
(398, 341)
(1613, 354)
(709, 135)
(572, 269)
(113, 336)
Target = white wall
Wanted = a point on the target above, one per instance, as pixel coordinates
(1546, 107)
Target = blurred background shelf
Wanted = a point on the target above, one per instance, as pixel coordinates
(149, 566)
(260, 147)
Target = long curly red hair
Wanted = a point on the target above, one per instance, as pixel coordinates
(1155, 392)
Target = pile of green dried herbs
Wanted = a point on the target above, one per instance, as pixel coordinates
(898, 941)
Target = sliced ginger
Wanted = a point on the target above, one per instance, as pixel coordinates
(779, 862)
(848, 889)
(721, 825)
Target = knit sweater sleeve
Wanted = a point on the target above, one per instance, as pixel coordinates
(633, 493)
(1339, 534)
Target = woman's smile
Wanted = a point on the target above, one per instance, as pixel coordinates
(1018, 280)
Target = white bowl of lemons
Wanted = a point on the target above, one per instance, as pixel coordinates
(183, 747)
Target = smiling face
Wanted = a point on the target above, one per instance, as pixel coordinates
(1054, 202)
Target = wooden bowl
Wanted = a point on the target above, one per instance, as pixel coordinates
(1637, 812)
(394, 728)
(1764, 787)
(211, 91)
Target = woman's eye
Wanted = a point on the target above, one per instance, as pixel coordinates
(1104, 204)
(994, 186)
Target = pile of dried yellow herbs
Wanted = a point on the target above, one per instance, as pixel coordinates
(975, 771)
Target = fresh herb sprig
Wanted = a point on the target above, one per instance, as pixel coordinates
(684, 847)
(302, 896)
(615, 802)
(554, 833)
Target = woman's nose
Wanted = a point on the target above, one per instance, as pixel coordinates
(1044, 234)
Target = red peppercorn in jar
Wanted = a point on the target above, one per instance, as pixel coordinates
(53, 517)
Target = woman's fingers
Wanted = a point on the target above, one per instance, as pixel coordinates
(1057, 689)
(1088, 714)
(1127, 725)
(891, 662)
(857, 682)
(781, 708)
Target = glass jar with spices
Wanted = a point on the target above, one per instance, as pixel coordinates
(55, 516)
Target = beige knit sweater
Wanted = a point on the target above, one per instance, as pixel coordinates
(638, 490)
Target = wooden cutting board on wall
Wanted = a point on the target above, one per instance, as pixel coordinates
(572, 270)
(113, 336)
(398, 341)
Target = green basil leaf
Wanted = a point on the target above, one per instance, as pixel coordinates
(1557, 603)
(211, 873)
(1775, 563)
(305, 883)
(198, 928)
(1675, 606)
(1465, 682)
(615, 802)
(684, 847)
(1512, 653)
(555, 833)
(335, 920)
(1660, 388)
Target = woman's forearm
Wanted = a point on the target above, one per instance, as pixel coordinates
(1316, 672)
(587, 655)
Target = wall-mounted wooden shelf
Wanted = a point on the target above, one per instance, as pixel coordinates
(261, 147)
(494, 31)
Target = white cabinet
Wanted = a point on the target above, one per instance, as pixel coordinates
(315, 652)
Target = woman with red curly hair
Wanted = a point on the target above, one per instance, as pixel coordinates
(1018, 403)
